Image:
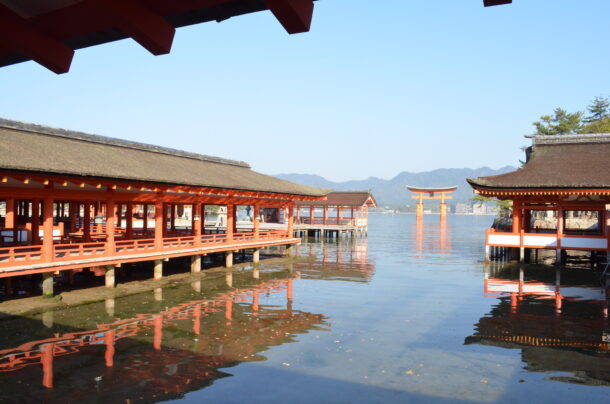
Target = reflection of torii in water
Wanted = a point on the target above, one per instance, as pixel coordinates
(431, 193)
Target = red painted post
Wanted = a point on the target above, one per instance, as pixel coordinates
(257, 221)
(47, 241)
(145, 218)
(119, 215)
(129, 221)
(159, 225)
(36, 221)
(172, 216)
(196, 230)
(87, 222)
(325, 215)
(9, 219)
(290, 219)
(110, 228)
(311, 210)
(73, 216)
(230, 222)
(516, 217)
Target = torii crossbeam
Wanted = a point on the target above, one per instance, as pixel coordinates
(422, 193)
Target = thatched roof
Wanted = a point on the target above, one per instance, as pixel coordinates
(40, 149)
(345, 198)
(558, 162)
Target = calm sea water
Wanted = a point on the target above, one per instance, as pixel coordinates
(409, 314)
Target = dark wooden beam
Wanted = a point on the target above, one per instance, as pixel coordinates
(17, 34)
(489, 3)
(139, 22)
(294, 15)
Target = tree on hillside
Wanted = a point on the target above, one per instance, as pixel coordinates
(560, 123)
(599, 126)
(598, 109)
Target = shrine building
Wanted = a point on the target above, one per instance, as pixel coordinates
(342, 212)
(71, 201)
(560, 197)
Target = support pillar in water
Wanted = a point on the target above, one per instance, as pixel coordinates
(110, 280)
(229, 259)
(290, 250)
(256, 255)
(47, 284)
(196, 263)
(158, 269)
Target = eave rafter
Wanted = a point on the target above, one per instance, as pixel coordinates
(18, 35)
(294, 15)
(102, 189)
(138, 21)
(489, 3)
(43, 38)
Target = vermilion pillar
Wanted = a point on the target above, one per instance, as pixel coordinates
(87, 221)
(197, 223)
(110, 228)
(516, 217)
(230, 221)
(36, 221)
(129, 221)
(47, 241)
(145, 217)
(290, 219)
(257, 221)
(9, 221)
(159, 225)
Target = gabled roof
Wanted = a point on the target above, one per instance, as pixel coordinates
(345, 198)
(44, 150)
(558, 162)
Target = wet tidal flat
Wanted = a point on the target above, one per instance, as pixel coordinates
(409, 313)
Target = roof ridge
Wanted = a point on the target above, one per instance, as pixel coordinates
(111, 141)
(572, 138)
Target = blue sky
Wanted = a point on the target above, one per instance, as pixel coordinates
(376, 87)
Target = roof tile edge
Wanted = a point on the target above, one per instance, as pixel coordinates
(567, 139)
(110, 141)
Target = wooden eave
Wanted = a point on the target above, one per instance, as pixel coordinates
(49, 32)
(83, 188)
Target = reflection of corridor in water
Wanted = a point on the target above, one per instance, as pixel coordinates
(559, 322)
(432, 238)
(345, 259)
(159, 355)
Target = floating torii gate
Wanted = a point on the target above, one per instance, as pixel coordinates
(422, 193)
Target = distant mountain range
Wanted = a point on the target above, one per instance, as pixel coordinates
(393, 193)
